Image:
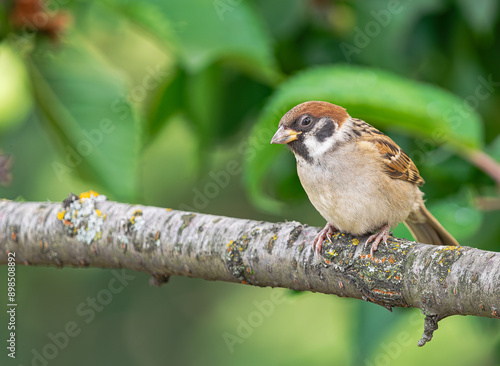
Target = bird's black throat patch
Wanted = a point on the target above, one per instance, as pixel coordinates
(299, 148)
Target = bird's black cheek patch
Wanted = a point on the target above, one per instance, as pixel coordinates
(325, 131)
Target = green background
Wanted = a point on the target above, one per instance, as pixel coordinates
(149, 101)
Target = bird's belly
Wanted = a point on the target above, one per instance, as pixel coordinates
(358, 203)
(348, 213)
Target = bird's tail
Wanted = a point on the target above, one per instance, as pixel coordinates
(426, 229)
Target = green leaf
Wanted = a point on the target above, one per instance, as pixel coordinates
(397, 34)
(84, 102)
(208, 31)
(283, 18)
(202, 100)
(379, 97)
(148, 17)
(167, 101)
(494, 149)
(205, 36)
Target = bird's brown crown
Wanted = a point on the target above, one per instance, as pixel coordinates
(316, 109)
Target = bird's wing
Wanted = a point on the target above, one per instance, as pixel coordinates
(397, 164)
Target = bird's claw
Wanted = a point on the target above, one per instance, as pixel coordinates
(325, 233)
(382, 235)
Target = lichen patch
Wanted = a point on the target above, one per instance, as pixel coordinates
(133, 232)
(234, 260)
(81, 217)
(295, 233)
(186, 220)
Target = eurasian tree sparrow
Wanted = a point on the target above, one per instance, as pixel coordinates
(358, 179)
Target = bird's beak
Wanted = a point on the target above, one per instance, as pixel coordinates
(284, 136)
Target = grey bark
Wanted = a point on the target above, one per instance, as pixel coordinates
(441, 281)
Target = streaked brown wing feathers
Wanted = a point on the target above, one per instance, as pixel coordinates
(398, 165)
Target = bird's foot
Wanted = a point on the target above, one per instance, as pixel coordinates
(325, 233)
(382, 235)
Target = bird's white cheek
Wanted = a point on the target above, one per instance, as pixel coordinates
(317, 148)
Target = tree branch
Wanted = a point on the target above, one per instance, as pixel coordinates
(90, 231)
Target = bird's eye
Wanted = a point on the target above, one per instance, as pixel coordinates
(306, 121)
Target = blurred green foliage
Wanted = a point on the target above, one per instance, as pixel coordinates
(153, 102)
